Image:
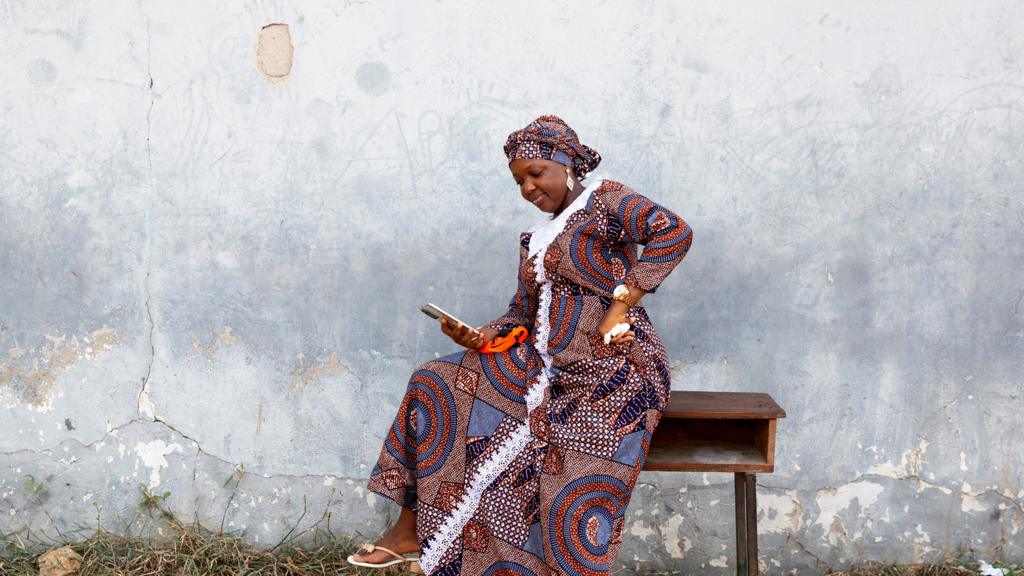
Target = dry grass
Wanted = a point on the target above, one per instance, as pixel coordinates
(945, 569)
(948, 569)
(191, 550)
(197, 552)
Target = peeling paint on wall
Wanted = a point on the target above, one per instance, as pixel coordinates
(832, 501)
(676, 546)
(969, 499)
(909, 466)
(32, 373)
(153, 455)
(640, 528)
(146, 405)
(779, 513)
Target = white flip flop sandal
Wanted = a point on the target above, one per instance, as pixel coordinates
(413, 559)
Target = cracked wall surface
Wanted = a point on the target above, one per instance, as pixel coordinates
(211, 263)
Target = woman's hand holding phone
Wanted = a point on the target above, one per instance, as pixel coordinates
(472, 338)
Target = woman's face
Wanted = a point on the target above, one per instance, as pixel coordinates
(541, 182)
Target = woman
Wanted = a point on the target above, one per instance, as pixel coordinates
(523, 461)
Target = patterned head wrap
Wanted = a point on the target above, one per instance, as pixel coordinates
(550, 138)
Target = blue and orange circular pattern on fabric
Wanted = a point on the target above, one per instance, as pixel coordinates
(580, 523)
(426, 425)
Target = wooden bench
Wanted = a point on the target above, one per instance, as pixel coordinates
(721, 432)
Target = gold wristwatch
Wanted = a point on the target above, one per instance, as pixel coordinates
(622, 294)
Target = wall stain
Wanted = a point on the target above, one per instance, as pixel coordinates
(228, 338)
(35, 371)
(225, 336)
(302, 378)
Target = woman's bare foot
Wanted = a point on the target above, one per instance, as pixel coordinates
(401, 538)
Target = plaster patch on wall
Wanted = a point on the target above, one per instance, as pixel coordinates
(35, 371)
(1016, 521)
(923, 485)
(146, 405)
(639, 529)
(779, 513)
(153, 455)
(969, 499)
(922, 546)
(836, 533)
(274, 52)
(304, 377)
(676, 547)
(832, 501)
(909, 466)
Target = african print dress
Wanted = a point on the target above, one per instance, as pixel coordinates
(522, 462)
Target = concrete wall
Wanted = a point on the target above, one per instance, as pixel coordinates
(211, 259)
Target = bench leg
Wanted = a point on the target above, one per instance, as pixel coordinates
(746, 524)
(752, 567)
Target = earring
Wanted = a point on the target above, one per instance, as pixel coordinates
(568, 179)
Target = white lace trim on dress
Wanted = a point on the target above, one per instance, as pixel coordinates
(544, 233)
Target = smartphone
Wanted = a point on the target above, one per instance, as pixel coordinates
(436, 313)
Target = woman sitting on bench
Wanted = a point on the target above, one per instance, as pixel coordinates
(523, 461)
